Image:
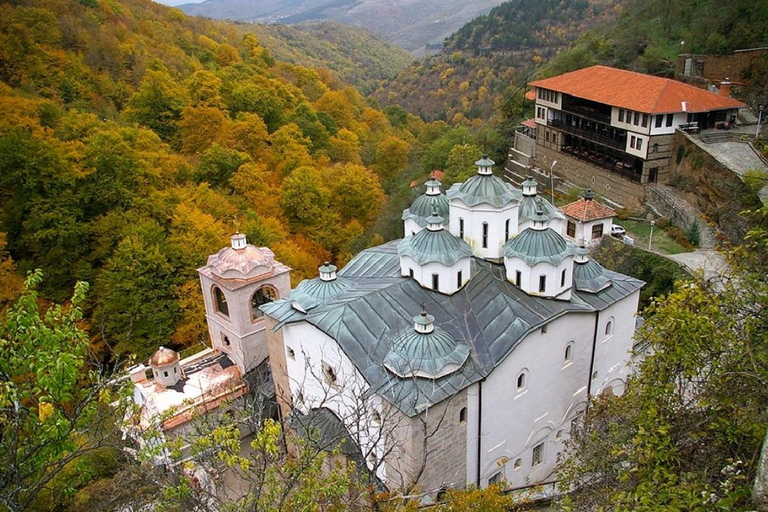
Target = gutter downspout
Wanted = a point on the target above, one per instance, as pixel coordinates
(592, 360)
(479, 428)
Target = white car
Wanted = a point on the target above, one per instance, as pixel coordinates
(618, 231)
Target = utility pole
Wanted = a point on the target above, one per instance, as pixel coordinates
(650, 238)
(552, 181)
(759, 119)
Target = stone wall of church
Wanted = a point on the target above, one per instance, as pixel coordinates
(441, 435)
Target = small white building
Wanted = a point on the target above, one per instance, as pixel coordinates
(587, 220)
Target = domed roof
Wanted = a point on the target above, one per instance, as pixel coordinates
(536, 245)
(164, 357)
(241, 260)
(529, 205)
(589, 275)
(429, 352)
(423, 206)
(434, 245)
(319, 290)
(484, 188)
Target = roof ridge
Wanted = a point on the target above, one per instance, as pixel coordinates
(658, 97)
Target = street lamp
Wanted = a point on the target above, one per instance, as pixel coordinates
(552, 181)
(650, 238)
(759, 119)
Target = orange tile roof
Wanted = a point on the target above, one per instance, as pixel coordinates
(636, 91)
(530, 95)
(530, 123)
(584, 210)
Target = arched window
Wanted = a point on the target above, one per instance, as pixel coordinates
(506, 230)
(461, 228)
(518, 464)
(562, 277)
(609, 327)
(485, 235)
(220, 301)
(542, 284)
(569, 352)
(522, 379)
(463, 415)
(261, 296)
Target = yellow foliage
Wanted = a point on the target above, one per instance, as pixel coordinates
(44, 411)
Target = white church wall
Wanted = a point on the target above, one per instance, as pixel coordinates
(448, 277)
(475, 218)
(309, 353)
(530, 277)
(613, 351)
(411, 227)
(541, 412)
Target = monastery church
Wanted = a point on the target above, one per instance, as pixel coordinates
(462, 354)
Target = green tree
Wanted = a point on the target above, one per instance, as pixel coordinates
(157, 104)
(53, 404)
(461, 164)
(357, 193)
(687, 432)
(304, 197)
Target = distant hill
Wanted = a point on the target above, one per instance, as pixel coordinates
(358, 56)
(492, 54)
(411, 24)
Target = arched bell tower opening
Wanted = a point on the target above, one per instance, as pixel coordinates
(236, 282)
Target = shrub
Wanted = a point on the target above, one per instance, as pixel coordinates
(680, 236)
(754, 179)
(694, 234)
(662, 223)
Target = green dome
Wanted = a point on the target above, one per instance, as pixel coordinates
(428, 355)
(484, 188)
(590, 277)
(313, 292)
(537, 245)
(529, 205)
(423, 206)
(439, 246)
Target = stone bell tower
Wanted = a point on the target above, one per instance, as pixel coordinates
(235, 282)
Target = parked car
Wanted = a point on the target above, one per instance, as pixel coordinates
(618, 231)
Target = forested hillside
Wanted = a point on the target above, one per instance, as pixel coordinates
(134, 140)
(490, 56)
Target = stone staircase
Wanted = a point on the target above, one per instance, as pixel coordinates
(713, 137)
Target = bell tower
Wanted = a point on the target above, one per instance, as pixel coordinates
(235, 282)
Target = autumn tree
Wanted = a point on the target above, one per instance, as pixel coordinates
(357, 192)
(460, 165)
(157, 104)
(54, 406)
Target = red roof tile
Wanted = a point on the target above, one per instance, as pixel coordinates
(530, 95)
(636, 91)
(584, 210)
(530, 123)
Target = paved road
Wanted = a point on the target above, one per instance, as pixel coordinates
(710, 261)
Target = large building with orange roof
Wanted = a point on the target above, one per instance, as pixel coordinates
(621, 121)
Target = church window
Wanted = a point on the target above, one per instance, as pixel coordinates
(463, 415)
(571, 229)
(537, 455)
(518, 464)
(291, 353)
(518, 277)
(569, 352)
(174, 370)
(559, 435)
(562, 277)
(377, 417)
(410, 272)
(506, 230)
(225, 339)
(330, 374)
(485, 235)
(435, 281)
(609, 327)
(542, 284)
(597, 230)
(461, 228)
(496, 478)
(220, 301)
(544, 328)
(458, 279)
(261, 296)
(521, 380)
(165, 373)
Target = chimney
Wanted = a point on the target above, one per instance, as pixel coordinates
(725, 88)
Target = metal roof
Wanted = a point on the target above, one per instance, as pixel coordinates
(537, 245)
(484, 188)
(489, 314)
(423, 206)
(434, 246)
(529, 205)
(590, 276)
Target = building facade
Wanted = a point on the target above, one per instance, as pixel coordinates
(621, 122)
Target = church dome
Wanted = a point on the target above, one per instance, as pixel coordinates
(325, 287)
(589, 275)
(423, 206)
(539, 243)
(425, 351)
(434, 244)
(529, 205)
(484, 187)
(241, 260)
(164, 357)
